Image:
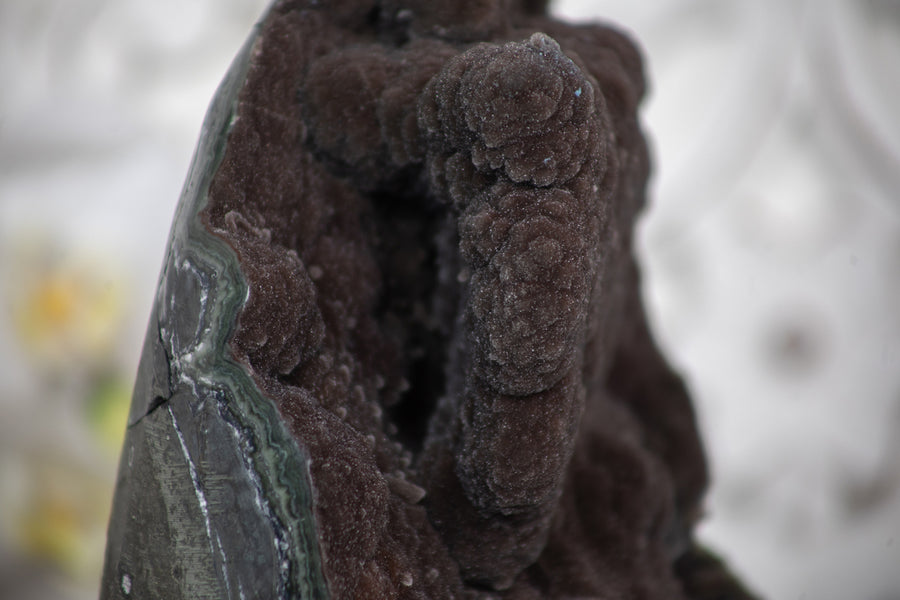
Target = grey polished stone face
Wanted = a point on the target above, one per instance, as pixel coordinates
(213, 498)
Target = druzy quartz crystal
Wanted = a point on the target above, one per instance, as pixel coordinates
(398, 348)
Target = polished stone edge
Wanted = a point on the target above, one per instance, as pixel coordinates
(213, 498)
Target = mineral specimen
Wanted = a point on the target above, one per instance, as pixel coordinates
(398, 349)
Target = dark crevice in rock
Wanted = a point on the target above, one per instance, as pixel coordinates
(405, 228)
(156, 403)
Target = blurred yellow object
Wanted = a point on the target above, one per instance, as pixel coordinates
(66, 309)
(61, 519)
(50, 527)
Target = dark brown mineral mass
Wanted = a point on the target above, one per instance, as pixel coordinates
(432, 204)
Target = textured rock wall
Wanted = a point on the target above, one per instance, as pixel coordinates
(433, 206)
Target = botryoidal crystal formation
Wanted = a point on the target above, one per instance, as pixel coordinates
(431, 205)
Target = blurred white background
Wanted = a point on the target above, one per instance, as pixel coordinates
(772, 251)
